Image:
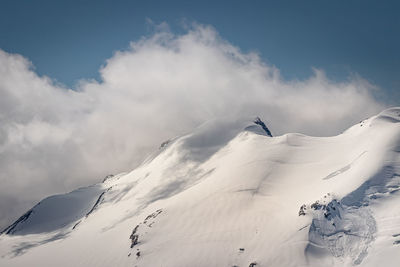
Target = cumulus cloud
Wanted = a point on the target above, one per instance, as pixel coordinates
(53, 139)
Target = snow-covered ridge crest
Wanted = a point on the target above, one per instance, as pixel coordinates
(229, 194)
(58, 211)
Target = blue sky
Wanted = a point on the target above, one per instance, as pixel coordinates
(70, 40)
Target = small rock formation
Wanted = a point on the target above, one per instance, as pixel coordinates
(134, 237)
(258, 121)
(302, 210)
(108, 177)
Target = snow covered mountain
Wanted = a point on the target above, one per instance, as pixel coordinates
(230, 194)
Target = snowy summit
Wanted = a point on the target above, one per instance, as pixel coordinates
(230, 194)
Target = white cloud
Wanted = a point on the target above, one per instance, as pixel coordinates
(53, 139)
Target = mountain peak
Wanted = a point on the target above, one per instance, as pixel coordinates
(258, 121)
(223, 197)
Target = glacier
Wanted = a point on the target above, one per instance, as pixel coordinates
(230, 194)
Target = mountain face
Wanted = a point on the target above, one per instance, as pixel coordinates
(230, 194)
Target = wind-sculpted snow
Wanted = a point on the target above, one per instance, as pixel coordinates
(215, 134)
(56, 212)
(230, 194)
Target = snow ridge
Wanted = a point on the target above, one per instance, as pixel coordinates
(228, 194)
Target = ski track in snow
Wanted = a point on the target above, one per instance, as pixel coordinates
(344, 169)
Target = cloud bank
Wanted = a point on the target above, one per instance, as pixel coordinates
(53, 139)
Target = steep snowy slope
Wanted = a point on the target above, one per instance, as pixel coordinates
(230, 194)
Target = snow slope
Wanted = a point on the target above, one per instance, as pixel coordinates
(230, 194)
